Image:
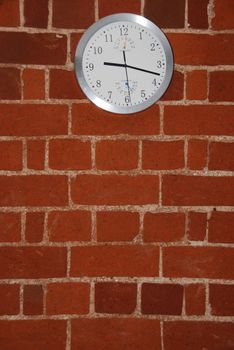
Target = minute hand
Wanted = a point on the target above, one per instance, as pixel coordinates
(128, 66)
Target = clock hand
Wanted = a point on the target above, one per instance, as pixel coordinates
(126, 71)
(132, 67)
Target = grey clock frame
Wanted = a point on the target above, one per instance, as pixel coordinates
(129, 17)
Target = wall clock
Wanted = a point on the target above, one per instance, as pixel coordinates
(124, 63)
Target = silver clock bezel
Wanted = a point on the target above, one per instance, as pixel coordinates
(129, 17)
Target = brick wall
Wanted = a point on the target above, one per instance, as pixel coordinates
(116, 232)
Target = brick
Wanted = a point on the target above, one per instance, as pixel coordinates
(33, 334)
(33, 300)
(36, 154)
(34, 228)
(202, 49)
(221, 86)
(117, 226)
(32, 262)
(67, 298)
(195, 298)
(73, 14)
(33, 190)
(198, 262)
(115, 298)
(160, 155)
(119, 6)
(221, 227)
(114, 189)
(157, 299)
(33, 120)
(114, 333)
(197, 154)
(198, 190)
(175, 90)
(34, 84)
(221, 156)
(63, 85)
(10, 227)
(68, 154)
(75, 38)
(196, 85)
(198, 14)
(194, 335)
(88, 120)
(224, 15)
(124, 261)
(11, 155)
(197, 226)
(222, 299)
(27, 48)
(10, 87)
(117, 155)
(199, 120)
(10, 299)
(164, 227)
(66, 226)
(166, 14)
(36, 13)
(9, 13)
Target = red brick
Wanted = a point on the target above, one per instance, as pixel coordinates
(124, 261)
(9, 13)
(199, 120)
(34, 84)
(224, 14)
(33, 300)
(164, 227)
(11, 155)
(202, 49)
(115, 333)
(196, 85)
(117, 155)
(69, 154)
(117, 226)
(66, 226)
(33, 190)
(157, 299)
(195, 298)
(89, 120)
(198, 190)
(166, 14)
(27, 48)
(197, 226)
(73, 14)
(118, 6)
(221, 86)
(32, 262)
(194, 335)
(222, 299)
(221, 227)
(198, 14)
(221, 156)
(10, 299)
(67, 298)
(10, 227)
(34, 227)
(33, 120)
(175, 90)
(63, 85)
(10, 87)
(36, 13)
(198, 262)
(115, 298)
(33, 334)
(114, 189)
(36, 154)
(197, 154)
(162, 155)
(75, 38)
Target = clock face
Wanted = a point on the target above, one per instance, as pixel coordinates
(124, 63)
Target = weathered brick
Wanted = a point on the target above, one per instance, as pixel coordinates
(33, 300)
(10, 87)
(10, 299)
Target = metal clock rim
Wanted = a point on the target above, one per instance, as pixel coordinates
(118, 18)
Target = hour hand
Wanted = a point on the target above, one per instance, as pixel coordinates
(115, 64)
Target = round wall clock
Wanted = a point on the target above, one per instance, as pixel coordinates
(124, 63)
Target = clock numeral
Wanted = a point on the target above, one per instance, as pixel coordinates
(109, 38)
(98, 83)
(159, 64)
(154, 82)
(110, 94)
(123, 31)
(91, 66)
(143, 94)
(127, 99)
(153, 46)
(97, 50)
(140, 34)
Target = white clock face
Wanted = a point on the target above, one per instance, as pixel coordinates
(123, 65)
